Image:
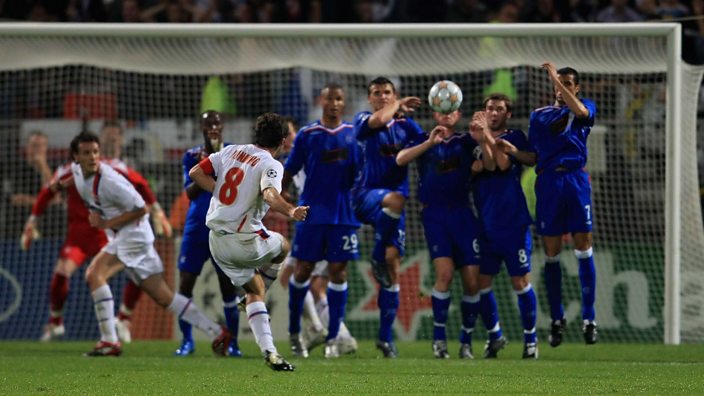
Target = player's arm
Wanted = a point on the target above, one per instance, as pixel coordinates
(382, 116)
(479, 130)
(524, 157)
(573, 102)
(116, 222)
(158, 217)
(405, 156)
(202, 175)
(279, 204)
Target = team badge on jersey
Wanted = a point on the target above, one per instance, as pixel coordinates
(271, 173)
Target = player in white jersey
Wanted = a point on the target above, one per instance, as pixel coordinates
(248, 183)
(116, 207)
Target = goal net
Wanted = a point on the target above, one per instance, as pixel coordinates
(60, 79)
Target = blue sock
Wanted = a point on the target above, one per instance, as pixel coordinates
(490, 313)
(296, 295)
(441, 307)
(385, 229)
(527, 306)
(553, 286)
(388, 305)
(470, 310)
(232, 314)
(186, 330)
(337, 301)
(587, 277)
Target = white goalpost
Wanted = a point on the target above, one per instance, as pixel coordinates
(155, 79)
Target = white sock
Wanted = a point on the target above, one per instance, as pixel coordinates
(344, 332)
(310, 312)
(259, 323)
(104, 306)
(323, 313)
(185, 309)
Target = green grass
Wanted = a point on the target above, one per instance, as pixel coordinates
(147, 367)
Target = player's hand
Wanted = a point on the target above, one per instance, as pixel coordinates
(95, 220)
(478, 125)
(506, 146)
(409, 104)
(161, 224)
(299, 213)
(552, 71)
(29, 234)
(435, 137)
(477, 166)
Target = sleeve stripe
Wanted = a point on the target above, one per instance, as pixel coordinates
(207, 166)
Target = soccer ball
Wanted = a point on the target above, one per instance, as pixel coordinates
(445, 97)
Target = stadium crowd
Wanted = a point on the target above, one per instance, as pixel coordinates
(689, 12)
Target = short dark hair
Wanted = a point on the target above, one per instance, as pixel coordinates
(112, 124)
(380, 81)
(332, 85)
(210, 116)
(499, 96)
(568, 70)
(270, 129)
(83, 137)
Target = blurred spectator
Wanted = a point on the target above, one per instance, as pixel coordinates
(506, 13)
(472, 11)
(618, 11)
(544, 12)
(693, 43)
(172, 11)
(86, 11)
(671, 9)
(576, 10)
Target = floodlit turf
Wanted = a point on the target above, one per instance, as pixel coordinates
(147, 367)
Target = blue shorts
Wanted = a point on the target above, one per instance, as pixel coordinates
(334, 243)
(452, 232)
(512, 247)
(193, 255)
(367, 208)
(564, 203)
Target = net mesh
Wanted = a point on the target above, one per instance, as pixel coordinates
(156, 86)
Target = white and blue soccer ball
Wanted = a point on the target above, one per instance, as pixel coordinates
(445, 97)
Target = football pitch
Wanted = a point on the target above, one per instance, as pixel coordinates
(147, 367)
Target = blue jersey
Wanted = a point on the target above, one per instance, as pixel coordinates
(444, 171)
(380, 148)
(195, 227)
(331, 159)
(560, 138)
(498, 196)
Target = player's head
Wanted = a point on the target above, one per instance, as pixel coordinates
(332, 100)
(111, 139)
(498, 110)
(270, 130)
(380, 91)
(569, 77)
(211, 125)
(291, 135)
(85, 149)
(448, 120)
(37, 144)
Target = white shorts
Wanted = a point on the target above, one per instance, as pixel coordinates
(239, 255)
(141, 260)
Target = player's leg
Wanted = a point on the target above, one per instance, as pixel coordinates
(191, 259)
(518, 248)
(315, 308)
(488, 309)
(388, 300)
(551, 224)
(308, 247)
(66, 265)
(441, 297)
(469, 307)
(581, 223)
(342, 245)
(103, 266)
(287, 271)
(230, 299)
(130, 296)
